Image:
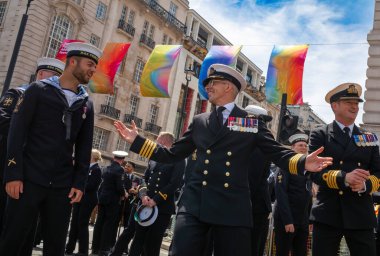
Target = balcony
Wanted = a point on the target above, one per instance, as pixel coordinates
(127, 28)
(258, 95)
(150, 127)
(199, 49)
(128, 119)
(144, 39)
(165, 15)
(109, 111)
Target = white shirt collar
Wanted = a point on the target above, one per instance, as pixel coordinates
(226, 113)
(341, 126)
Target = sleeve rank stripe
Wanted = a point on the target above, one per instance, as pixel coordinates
(330, 180)
(146, 149)
(293, 163)
(335, 174)
(143, 147)
(151, 150)
(164, 196)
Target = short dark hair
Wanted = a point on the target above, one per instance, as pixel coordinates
(131, 163)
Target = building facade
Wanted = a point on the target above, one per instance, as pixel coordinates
(371, 117)
(307, 118)
(144, 24)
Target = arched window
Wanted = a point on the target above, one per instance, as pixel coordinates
(61, 28)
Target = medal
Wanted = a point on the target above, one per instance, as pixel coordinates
(84, 112)
(84, 116)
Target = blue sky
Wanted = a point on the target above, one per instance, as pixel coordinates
(341, 26)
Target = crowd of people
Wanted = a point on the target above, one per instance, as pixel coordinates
(222, 164)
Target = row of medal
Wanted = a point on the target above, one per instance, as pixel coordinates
(243, 124)
(368, 139)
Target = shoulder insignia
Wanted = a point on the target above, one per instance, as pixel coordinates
(7, 101)
(18, 104)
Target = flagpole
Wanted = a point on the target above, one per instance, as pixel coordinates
(282, 114)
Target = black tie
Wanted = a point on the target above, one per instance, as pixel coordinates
(346, 131)
(219, 114)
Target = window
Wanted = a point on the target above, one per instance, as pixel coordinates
(170, 41)
(3, 7)
(153, 113)
(101, 11)
(124, 12)
(61, 28)
(239, 66)
(111, 99)
(173, 9)
(77, 1)
(120, 70)
(133, 105)
(131, 17)
(138, 71)
(245, 102)
(100, 138)
(145, 27)
(95, 40)
(165, 39)
(151, 31)
(148, 30)
(248, 77)
(122, 145)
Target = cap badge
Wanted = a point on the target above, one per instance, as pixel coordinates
(352, 89)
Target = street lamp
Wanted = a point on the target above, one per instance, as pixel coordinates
(16, 49)
(189, 72)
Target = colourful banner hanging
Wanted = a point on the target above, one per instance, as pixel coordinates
(285, 74)
(62, 51)
(155, 76)
(221, 54)
(109, 62)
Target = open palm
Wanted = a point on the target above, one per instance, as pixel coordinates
(128, 134)
(314, 163)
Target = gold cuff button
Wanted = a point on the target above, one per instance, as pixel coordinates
(228, 163)
(208, 151)
(205, 172)
(207, 161)
(229, 153)
(226, 185)
(204, 183)
(227, 174)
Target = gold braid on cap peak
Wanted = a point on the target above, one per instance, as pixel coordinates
(330, 178)
(147, 148)
(293, 162)
(374, 182)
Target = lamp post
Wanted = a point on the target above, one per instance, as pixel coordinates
(16, 49)
(189, 72)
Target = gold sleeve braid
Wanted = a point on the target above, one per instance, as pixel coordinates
(374, 182)
(293, 163)
(147, 148)
(164, 196)
(330, 178)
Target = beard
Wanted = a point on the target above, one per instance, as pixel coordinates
(80, 74)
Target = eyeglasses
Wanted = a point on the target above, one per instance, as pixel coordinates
(216, 81)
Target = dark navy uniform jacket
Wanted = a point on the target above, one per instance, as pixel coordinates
(7, 105)
(43, 134)
(129, 182)
(336, 204)
(92, 184)
(111, 189)
(217, 191)
(258, 183)
(293, 199)
(162, 180)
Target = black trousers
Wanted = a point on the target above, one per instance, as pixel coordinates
(190, 238)
(326, 240)
(79, 224)
(105, 227)
(296, 242)
(126, 236)
(149, 239)
(21, 218)
(259, 233)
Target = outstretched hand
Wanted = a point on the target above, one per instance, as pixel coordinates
(314, 163)
(128, 134)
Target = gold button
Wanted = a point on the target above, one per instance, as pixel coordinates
(159, 173)
(207, 161)
(226, 185)
(148, 183)
(228, 163)
(156, 185)
(229, 153)
(227, 174)
(340, 192)
(155, 191)
(205, 172)
(208, 151)
(158, 178)
(150, 177)
(341, 162)
(204, 183)
(359, 164)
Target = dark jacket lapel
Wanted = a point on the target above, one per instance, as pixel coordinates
(352, 147)
(236, 112)
(337, 134)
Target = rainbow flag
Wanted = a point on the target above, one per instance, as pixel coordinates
(155, 76)
(285, 74)
(109, 62)
(62, 51)
(221, 54)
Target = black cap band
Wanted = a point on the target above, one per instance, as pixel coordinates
(85, 54)
(344, 95)
(49, 67)
(224, 76)
(298, 140)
